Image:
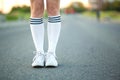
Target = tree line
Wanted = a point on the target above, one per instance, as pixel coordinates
(109, 6)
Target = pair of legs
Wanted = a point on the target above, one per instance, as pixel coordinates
(37, 8)
(37, 25)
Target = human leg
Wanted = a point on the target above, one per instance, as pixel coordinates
(37, 30)
(54, 24)
(36, 23)
(53, 30)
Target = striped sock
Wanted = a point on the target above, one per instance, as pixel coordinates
(34, 21)
(53, 29)
(54, 19)
(37, 30)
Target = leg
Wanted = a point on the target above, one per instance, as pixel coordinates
(37, 30)
(53, 29)
(54, 24)
(36, 23)
(53, 7)
(37, 8)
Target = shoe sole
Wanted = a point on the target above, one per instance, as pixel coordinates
(50, 66)
(37, 66)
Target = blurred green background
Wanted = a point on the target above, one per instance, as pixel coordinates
(108, 10)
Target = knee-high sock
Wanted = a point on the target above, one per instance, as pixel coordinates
(37, 30)
(53, 30)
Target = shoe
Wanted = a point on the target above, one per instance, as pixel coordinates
(50, 60)
(38, 60)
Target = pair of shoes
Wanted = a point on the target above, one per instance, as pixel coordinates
(41, 59)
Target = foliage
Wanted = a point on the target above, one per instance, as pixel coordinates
(77, 6)
(18, 13)
(45, 14)
(11, 17)
(115, 15)
(115, 5)
(1, 12)
(21, 9)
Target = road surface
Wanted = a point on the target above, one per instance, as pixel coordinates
(87, 50)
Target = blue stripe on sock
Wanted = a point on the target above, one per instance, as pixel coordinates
(36, 20)
(54, 16)
(54, 19)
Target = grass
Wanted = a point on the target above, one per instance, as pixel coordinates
(17, 16)
(104, 14)
(112, 14)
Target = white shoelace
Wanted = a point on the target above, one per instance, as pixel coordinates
(37, 54)
(49, 54)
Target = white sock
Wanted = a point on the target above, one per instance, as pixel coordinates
(37, 30)
(53, 29)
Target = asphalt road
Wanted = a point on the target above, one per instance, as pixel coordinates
(87, 50)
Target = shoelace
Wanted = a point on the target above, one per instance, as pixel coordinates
(37, 54)
(49, 54)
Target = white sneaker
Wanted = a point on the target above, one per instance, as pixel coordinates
(38, 60)
(50, 60)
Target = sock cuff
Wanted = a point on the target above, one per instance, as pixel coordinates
(54, 19)
(35, 21)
